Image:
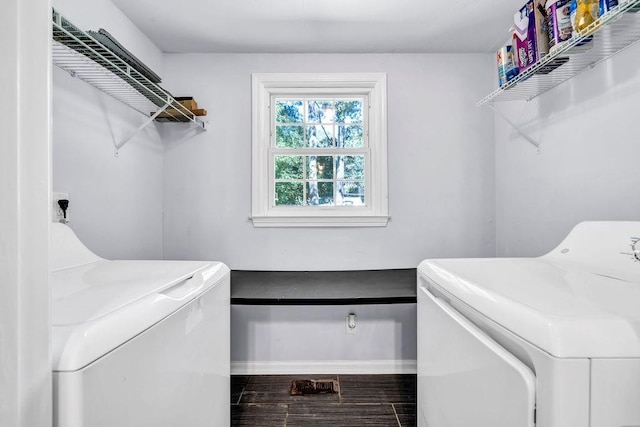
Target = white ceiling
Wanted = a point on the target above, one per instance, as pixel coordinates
(335, 26)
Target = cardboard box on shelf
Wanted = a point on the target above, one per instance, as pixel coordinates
(188, 102)
(530, 36)
(173, 113)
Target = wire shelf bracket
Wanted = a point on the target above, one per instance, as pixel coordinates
(515, 126)
(142, 126)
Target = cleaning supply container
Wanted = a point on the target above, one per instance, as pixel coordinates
(559, 23)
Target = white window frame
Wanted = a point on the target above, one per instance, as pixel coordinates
(375, 213)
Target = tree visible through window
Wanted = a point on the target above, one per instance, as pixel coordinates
(331, 172)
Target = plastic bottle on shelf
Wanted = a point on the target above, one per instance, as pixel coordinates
(507, 66)
(586, 13)
(584, 44)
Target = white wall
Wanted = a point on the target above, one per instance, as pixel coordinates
(441, 166)
(116, 202)
(588, 165)
(313, 339)
(441, 191)
(25, 183)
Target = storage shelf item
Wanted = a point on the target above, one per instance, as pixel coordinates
(611, 33)
(82, 56)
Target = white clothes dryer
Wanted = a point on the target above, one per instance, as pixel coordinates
(138, 343)
(552, 341)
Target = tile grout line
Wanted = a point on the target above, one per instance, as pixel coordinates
(396, 414)
(286, 416)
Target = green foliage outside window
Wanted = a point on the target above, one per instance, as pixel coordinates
(315, 180)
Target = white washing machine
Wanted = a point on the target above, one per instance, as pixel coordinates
(552, 341)
(138, 343)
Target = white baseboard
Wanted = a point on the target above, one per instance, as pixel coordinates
(311, 367)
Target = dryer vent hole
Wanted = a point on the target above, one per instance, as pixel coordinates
(305, 387)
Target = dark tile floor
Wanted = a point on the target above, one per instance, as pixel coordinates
(364, 400)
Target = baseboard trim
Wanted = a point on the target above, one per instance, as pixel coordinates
(310, 367)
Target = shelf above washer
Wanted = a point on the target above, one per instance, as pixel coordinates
(79, 54)
(611, 33)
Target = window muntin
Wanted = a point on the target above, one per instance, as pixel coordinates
(309, 180)
(318, 122)
(332, 170)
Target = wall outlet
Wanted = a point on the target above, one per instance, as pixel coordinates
(351, 323)
(57, 213)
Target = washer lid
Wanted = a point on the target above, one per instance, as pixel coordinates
(582, 305)
(92, 291)
(99, 306)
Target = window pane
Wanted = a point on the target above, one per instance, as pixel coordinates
(320, 111)
(289, 111)
(350, 137)
(289, 193)
(288, 167)
(320, 136)
(289, 137)
(319, 167)
(348, 111)
(351, 193)
(319, 193)
(352, 167)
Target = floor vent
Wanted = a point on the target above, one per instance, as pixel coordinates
(304, 387)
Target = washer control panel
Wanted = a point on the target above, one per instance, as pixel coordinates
(607, 248)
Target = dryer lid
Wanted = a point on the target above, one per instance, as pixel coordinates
(580, 300)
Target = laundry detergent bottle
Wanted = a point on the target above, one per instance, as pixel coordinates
(586, 13)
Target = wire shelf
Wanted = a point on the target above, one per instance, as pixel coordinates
(610, 34)
(79, 54)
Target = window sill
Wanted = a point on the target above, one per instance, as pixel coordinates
(320, 221)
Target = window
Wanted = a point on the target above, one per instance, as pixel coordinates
(319, 150)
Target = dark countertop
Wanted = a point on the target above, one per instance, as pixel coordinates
(323, 287)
